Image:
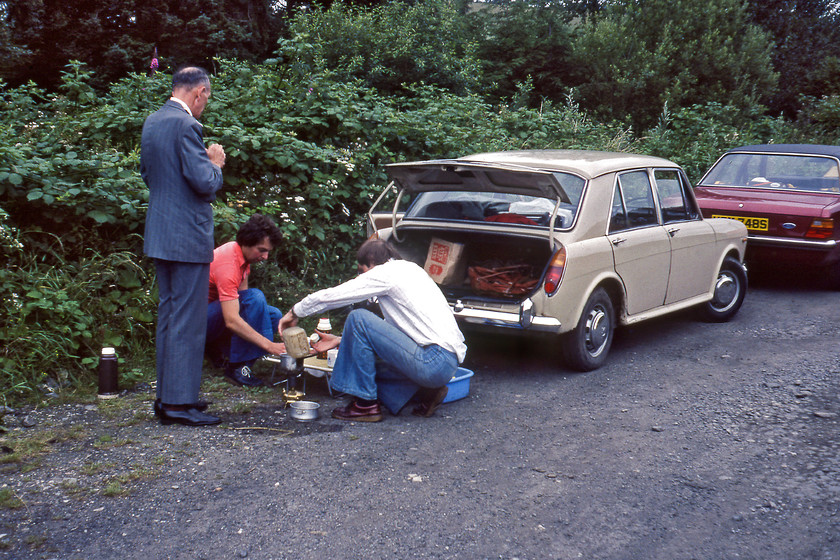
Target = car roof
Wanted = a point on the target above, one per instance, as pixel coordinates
(817, 149)
(586, 163)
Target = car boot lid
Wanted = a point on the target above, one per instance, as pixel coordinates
(461, 175)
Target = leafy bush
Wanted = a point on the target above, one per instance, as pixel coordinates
(56, 318)
(66, 169)
(820, 117)
(696, 136)
(394, 44)
(71, 203)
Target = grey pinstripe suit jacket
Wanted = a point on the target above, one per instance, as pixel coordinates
(182, 183)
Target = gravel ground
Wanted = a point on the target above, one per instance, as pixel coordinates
(695, 441)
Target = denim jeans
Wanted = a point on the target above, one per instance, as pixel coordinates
(254, 308)
(378, 360)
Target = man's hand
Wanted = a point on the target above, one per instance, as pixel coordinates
(237, 325)
(325, 342)
(276, 348)
(288, 320)
(216, 154)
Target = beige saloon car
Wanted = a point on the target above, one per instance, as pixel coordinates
(564, 243)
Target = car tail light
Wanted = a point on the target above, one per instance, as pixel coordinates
(821, 229)
(554, 275)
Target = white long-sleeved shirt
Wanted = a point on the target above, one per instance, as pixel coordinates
(409, 299)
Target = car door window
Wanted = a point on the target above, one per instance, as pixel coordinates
(618, 215)
(675, 204)
(633, 202)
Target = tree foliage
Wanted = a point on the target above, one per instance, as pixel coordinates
(115, 37)
(393, 44)
(635, 56)
(524, 43)
(807, 48)
(624, 58)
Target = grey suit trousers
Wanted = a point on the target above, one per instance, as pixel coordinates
(181, 328)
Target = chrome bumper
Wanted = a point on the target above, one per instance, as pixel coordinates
(523, 320)
(764, 241)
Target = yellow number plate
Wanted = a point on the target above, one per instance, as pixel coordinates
(757, 224)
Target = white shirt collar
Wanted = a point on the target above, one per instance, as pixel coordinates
(182, 104)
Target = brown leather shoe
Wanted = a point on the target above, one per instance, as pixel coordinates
(431, 399)
(358, 413)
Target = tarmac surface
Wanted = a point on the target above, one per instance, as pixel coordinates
(695, 441)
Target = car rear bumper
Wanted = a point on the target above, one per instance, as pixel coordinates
(524, 319)
(793, 251)
(815, 244)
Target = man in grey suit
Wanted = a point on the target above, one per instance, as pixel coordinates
(183, 177)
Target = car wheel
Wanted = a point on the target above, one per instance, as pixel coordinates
(586, 347)
(730, 289)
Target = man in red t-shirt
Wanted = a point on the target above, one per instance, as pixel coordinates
(240, 323)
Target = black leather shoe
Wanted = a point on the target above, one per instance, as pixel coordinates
(242, 376)
(188, 417)
(199, 405)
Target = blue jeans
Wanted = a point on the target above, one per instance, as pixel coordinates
(254, 308)
(378, 360)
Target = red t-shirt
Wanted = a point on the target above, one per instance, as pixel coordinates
(227, 271)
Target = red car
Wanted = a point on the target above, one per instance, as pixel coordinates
(788, 196)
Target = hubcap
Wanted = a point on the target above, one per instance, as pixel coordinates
(726, 291)
(597, 331)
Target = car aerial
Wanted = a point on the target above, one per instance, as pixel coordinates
(563, 243)
(788, 196)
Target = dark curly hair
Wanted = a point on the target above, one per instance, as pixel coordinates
(257, 228)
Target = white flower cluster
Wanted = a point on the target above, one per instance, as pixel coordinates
(8, 234)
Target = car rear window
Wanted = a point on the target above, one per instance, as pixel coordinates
(499, 207)
(775, 171)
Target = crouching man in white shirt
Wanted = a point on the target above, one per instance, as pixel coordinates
(416, 348)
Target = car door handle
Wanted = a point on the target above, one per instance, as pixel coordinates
(617, 240)
(673, 231)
